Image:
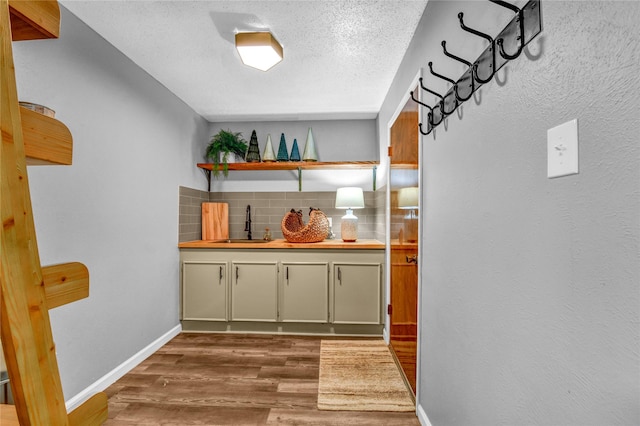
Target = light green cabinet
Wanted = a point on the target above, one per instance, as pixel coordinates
(357, 293)
(204, 291)
(282, 290)
(305, 292)
(254, 291)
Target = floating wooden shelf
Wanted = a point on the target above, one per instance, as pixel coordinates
(34, 20)
(46, 140)
(296, 165)
(402, 166)
(65, 283)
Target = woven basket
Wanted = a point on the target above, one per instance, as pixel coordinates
(295, 231)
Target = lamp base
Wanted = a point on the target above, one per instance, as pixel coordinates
(349, 227)
(411, 229)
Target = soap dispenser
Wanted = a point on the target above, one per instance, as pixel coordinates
(330, 235)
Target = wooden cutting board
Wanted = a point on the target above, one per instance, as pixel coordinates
(215, 221)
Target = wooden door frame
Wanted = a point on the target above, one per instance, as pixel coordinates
(387, 285)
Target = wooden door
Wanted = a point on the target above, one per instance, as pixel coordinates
(405, 222)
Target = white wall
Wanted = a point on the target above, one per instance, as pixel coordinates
(530, 306)
(335, 140)
(116, 208)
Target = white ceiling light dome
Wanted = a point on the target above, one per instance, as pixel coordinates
(259, 50)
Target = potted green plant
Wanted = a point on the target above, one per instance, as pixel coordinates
(222, 144)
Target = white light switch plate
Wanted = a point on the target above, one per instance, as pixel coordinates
(562, 149)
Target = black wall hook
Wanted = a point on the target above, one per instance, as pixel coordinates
(468, 64)
(520, 38)
(471, 30)
(492, 48)
(420, 103)
(455, 86)
(523, 27)
(430, 91)
(452, 56)
(429, 115)
(506, 4)
(439, 75)
(430, 127)
(439, 107)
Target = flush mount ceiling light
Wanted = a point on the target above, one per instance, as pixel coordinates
(259, 50)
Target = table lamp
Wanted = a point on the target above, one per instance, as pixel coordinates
(408, 200)
(349, 198)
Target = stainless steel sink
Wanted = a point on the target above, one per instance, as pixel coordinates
(240, 240)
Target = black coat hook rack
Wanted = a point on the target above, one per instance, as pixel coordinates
(509, 43)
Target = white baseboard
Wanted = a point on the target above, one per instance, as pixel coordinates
(385, 336)
(422, 416)
(111, 377)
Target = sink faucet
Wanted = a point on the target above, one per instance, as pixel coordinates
(247, 223)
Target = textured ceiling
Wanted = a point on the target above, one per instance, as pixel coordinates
(339, 56)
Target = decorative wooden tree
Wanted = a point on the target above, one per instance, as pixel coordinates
(295, 152)
(283, 155)
(310, 153)
(268, 155)
(253, 154)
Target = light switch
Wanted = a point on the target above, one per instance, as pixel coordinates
(562, 149)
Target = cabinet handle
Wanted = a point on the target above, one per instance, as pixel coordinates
(412, 259)
(340, 275)
(237, 274)
(287, 274)
(220, 277)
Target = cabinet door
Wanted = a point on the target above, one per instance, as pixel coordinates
(356, 293)
(254, 291)
(305, 292)
(204, 291)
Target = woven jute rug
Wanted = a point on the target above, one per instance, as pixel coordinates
(360, 375)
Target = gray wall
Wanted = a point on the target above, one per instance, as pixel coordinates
(115, 209)
(529, 298)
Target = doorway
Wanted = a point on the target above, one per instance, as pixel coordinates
(404, 223)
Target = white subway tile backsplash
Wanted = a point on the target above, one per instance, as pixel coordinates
(268, 209)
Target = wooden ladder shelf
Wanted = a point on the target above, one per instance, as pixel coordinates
(29, 290)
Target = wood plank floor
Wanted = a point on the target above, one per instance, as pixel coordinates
(232, 379)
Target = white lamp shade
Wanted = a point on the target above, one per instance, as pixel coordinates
(349, 198)
(259, 50)
(408, 198)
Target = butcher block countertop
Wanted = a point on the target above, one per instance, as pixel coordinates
(284, 244)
